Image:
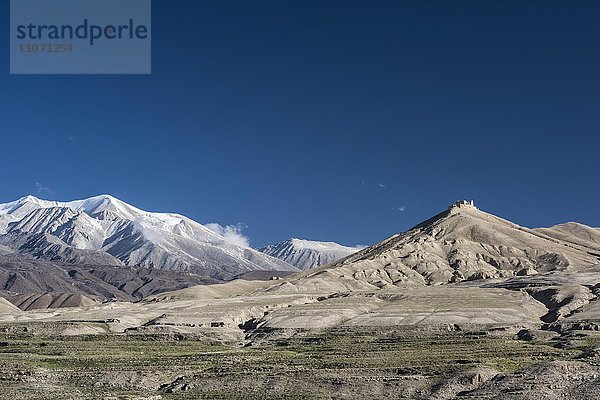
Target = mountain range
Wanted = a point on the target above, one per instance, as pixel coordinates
(103, 230)
(307, 254)
(54, 254)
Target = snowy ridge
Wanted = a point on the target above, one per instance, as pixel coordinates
(307, 254)
(107, 226)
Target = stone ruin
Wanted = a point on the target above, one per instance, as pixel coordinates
(463, 204)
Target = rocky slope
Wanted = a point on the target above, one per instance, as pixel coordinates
(307, 254)
(573, 232)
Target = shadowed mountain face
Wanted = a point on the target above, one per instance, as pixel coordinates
(460, 244)
(33, 284)
(103, 230)
(307, 254)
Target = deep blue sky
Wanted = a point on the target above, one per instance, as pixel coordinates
(326, 120)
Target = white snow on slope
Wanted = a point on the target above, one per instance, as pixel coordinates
(134, 236)
(307, 254)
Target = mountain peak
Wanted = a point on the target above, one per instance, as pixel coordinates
(458, 244)
(28, 198)
(306, 254)
(23, 206)
(104, 197)
(100, 204)
(316, 245)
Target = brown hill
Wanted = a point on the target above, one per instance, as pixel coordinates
(459, 244)
(34, 284)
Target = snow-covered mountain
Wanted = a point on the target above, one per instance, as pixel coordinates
(307, 254)
(107, 231)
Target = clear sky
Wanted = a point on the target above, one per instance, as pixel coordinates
(327, 120)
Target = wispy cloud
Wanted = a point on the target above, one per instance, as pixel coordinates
(73, 139)
(370, 184)
(402, 209)
(41, 189)
(231, 233)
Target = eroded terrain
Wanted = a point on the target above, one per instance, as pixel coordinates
(240, 340)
